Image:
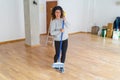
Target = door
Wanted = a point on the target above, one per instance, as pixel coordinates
(49, 6)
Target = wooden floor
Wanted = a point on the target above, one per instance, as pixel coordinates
(89, 57)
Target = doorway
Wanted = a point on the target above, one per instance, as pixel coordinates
(49, 6)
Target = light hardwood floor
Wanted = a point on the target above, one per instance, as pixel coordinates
(89, 57)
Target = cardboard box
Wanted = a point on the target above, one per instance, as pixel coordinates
(110, 26)
(95, 30)
(109, 33)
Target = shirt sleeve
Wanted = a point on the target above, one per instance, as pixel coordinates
(53, 30)
(66, 25)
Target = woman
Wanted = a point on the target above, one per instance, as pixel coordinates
(56, 30)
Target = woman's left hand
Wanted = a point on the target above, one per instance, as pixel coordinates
(64, 18)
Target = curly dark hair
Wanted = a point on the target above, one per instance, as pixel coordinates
(57, 8)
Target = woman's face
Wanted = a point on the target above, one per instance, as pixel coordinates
(57, 14)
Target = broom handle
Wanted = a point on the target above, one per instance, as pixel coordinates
(61, 42)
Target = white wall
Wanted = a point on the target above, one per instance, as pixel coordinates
(80, 14)
(106, 11)
(31, 13)
(42, 12)
(51, 0)
(83, 14)
(87, 15)
(11, 20)
(73, 9)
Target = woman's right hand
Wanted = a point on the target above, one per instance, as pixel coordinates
(61, 30)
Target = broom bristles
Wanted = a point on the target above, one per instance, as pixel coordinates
(58, 65)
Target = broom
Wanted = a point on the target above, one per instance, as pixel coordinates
(58, 64)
